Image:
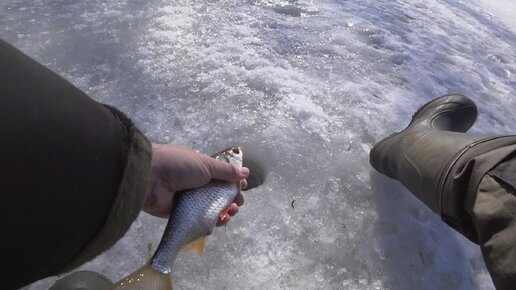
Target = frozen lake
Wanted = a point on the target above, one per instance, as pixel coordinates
(307, 87)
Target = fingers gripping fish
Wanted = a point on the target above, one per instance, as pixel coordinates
(194, 215)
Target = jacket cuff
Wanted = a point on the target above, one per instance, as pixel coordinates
(129, 199)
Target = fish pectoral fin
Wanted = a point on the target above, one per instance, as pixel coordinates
(224, 214)
(197, 246)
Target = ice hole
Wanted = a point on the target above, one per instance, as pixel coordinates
(256, 176)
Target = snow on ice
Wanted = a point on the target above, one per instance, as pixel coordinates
(307, 87)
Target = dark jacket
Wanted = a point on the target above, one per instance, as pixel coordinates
(73, 172)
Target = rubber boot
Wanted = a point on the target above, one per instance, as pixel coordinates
(422, 154)
(82, 280)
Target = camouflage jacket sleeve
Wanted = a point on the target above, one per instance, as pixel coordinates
(73, 172)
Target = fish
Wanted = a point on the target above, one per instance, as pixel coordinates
(194, 214)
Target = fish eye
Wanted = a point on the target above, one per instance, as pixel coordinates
(236, 151)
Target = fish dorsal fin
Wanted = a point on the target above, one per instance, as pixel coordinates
(197, 246)
(149, 251)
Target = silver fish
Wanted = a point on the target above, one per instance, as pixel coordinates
(193, 217)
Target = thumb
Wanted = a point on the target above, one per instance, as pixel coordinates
(224, 171)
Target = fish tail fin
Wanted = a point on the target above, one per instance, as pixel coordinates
(145, 278)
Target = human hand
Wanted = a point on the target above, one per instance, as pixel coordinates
(176, 167)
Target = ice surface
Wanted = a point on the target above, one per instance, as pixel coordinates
(307, 87)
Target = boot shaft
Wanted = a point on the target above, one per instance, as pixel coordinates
(419, 159)
(419, 155)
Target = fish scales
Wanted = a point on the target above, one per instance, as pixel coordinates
(195, 215)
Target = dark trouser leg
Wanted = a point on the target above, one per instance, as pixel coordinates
(494, 217)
